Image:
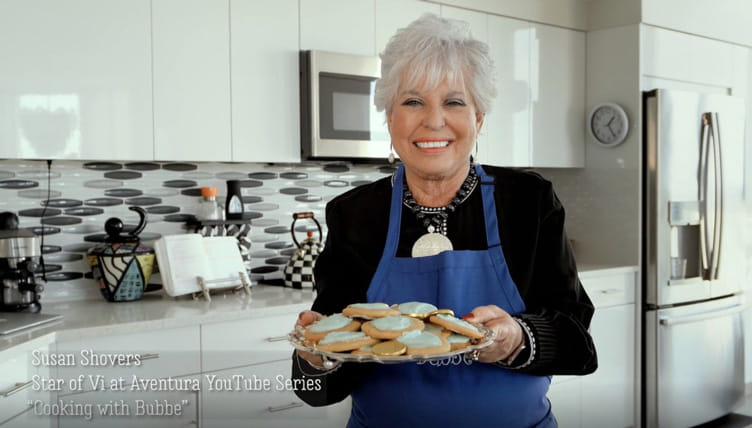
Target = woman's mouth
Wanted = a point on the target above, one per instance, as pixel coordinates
(431, 144)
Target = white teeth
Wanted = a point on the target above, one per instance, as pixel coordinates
(431, 144)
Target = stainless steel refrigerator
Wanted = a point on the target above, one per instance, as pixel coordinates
(693, 264)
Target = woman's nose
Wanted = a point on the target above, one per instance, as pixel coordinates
(434, 118)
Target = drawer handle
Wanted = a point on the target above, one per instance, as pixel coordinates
(611, 291)
(145, 357)
(17, 388)
(284, 407)
(276, 339)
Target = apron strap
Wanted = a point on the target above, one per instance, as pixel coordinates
(489, 207)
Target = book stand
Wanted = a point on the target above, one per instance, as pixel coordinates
(209, 285)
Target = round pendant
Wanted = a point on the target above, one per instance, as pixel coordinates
(431, 244)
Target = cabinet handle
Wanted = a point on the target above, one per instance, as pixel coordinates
(610, 291)
(18, 387)
(284, 407)
(276, 339)
(145, 357)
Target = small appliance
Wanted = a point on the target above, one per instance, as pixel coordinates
(299, 270)
(337, 115)
(19, 260)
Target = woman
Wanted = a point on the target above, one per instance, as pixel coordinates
(488, 242)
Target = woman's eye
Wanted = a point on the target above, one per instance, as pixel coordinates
(455, 102)
(411, 102)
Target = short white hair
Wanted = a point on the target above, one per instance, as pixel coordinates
(430, 50)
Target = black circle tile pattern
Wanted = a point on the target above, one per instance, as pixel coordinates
(293, 191)
(252, 215)
(18, 184)
(64, 276)
(278, 245)
(80, 247)
(294, 175)
(277, 261)
(123, 175)
(277, 230)
(64, 257)
(143, 201)
(103, 166)
(47, 249)
(123, 192)
(48, 268)
(39, 212)
(179, 167)
(179, 184)
(179, 218)
(308, 198)
(335, 183)
(264, 269)
(38, 193)
(162, 209)
(45, 230)
(62, 203)
(84, 211)
(191, 192)
(251, 183)
(61, 221)
(104, 202)
(262, 175)
(336, 168)
(359, 183)
(142, 166)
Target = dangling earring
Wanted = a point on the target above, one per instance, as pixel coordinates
(390, 158)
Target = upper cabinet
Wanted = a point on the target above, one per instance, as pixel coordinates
(191, 80)
(265, 88)
(75, 81)
(391, 15)
(557, 90)
(345, 26)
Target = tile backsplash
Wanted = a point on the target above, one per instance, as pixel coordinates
(83, 195)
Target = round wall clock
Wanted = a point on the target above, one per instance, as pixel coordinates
(608, 124)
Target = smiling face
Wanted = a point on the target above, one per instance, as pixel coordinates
(433, 130)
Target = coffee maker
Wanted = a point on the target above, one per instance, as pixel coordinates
(19, 260)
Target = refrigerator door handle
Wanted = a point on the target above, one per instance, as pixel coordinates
(718, 197)
(703, 316)
(703, 190)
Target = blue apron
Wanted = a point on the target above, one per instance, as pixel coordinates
(455, 392)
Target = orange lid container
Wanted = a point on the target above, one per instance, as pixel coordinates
(208, 192)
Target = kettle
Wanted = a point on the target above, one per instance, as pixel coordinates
(299, 270)
(121, 265)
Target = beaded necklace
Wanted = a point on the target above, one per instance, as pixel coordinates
(434, 219)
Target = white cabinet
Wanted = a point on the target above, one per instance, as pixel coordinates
(606, 397)
(557, 90)
(75, 81)
(508, 123)
(191, 42)
(145, 409)
(20, 391)
(268, 400)
(345, 26)
(264, 75)
(392, 15)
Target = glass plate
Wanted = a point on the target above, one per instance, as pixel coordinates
(299, 342)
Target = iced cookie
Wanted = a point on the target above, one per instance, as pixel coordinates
(415, 309)
(335, 322)
(363, 350)
(391, 327)
(437, 330)
(423, 343)
(343, 341)
(369, 310)
(457, 325)
(458, 341)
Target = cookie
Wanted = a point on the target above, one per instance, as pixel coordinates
(437, 330)
(457, 325)
(415, 309)
(369, 310)
(390, 348)
(424, 343)
(335, 322)
(391, 327)
(343, 341)
(458, 341)
(363, 350)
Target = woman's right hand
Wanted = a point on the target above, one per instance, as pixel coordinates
(305, 319)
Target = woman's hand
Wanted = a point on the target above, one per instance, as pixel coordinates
(509, 335)
(305, 319)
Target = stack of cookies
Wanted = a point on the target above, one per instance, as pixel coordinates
(412, 328)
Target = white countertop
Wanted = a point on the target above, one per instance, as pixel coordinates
(87, 318)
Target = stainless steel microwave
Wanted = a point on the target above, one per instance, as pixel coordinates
(337, 116)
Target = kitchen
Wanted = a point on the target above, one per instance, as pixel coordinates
(147, 117)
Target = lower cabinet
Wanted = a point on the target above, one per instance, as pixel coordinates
(157, 407)
(20, 397)
(605, 398)
(261, 395)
